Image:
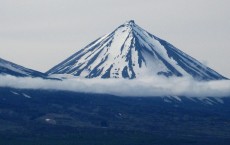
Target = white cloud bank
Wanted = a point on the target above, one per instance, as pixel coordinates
(121, 87)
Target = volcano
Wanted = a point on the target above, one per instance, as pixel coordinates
(132, 52)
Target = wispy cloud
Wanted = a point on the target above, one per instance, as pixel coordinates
(146, 87)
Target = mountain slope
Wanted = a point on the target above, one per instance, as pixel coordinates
(131, 52)
(9, 68)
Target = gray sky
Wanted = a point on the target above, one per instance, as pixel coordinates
(41, 33)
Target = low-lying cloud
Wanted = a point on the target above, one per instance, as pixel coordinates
(156, 86)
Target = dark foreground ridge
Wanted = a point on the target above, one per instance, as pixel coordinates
(38, 117)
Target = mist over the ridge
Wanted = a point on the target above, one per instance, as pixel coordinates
(146, 87)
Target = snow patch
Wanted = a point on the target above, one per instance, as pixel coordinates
(27, 96)
(15, 93)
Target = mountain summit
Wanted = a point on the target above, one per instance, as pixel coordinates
(131, 52)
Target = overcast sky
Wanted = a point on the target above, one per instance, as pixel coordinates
(41, 33)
